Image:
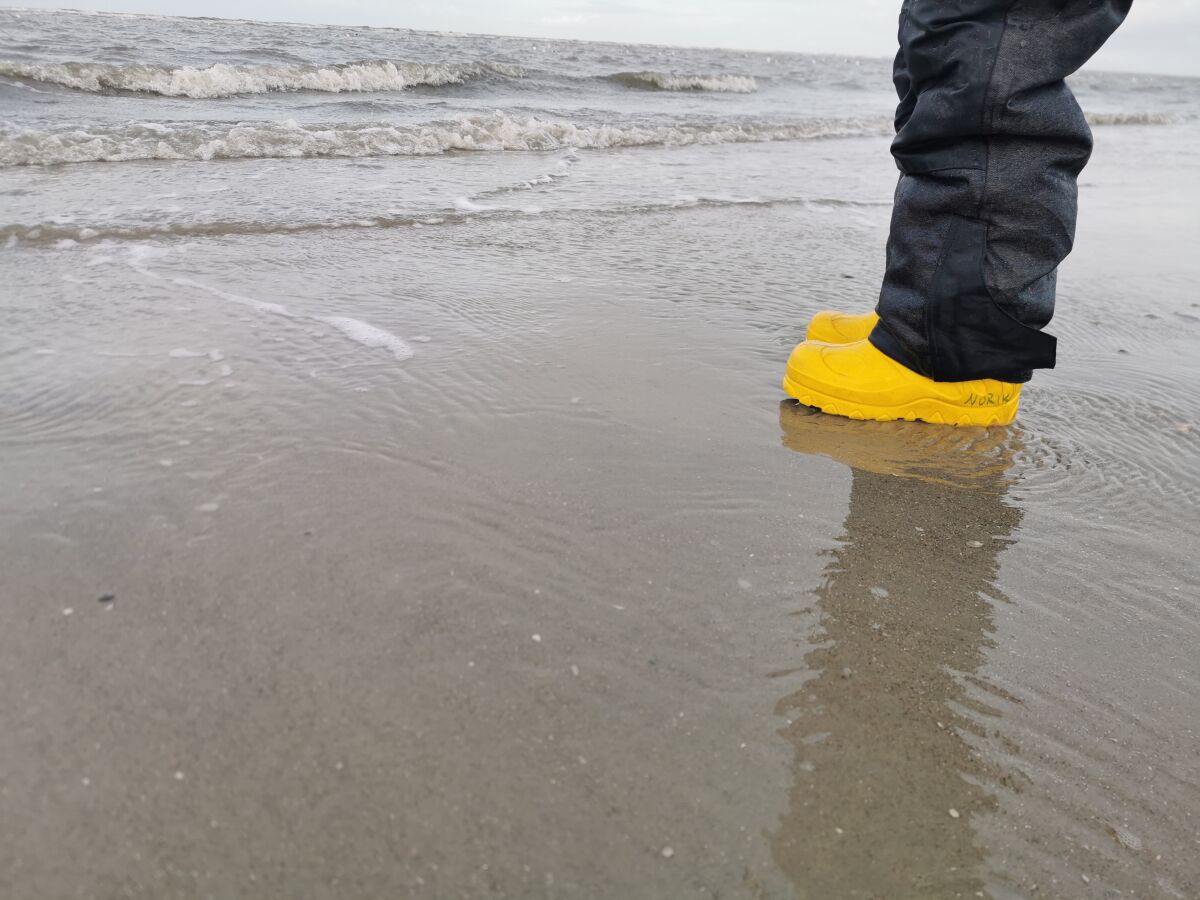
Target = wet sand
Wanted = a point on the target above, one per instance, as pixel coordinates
(570, 604)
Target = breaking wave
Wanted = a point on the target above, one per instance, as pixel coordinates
(665, 81)
(223, 80)
(289, 140)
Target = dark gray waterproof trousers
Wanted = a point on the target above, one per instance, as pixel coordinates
(989, 141)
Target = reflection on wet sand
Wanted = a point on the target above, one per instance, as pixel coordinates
(885, 784)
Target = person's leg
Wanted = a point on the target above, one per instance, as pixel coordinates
(989, 143)
(837, 327)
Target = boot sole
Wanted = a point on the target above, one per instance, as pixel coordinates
(928, 409)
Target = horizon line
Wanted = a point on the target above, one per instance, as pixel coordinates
(527, 37)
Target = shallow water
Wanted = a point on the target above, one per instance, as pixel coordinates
(461, 544)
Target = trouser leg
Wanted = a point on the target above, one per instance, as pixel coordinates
(989, 142)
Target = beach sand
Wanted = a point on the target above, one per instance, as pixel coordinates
(569, 604)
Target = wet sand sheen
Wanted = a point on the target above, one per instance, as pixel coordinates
(356, 692)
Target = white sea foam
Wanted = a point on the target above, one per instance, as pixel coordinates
(466, 204)
(368, 335)
(667, 81)
(223, 80)
(1131, 118)
(261, 305)
(357, 330)
(136, 141)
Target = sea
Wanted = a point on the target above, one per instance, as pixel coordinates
(82, 88)
(397, 497)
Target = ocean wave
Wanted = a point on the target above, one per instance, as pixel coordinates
(224, 80)
(65, 236)
(1134, 118)
(665, 81)
(289, 140)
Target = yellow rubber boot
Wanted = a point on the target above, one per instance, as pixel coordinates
(860, 382)
(840, 328)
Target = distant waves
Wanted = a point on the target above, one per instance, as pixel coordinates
(368, 76)
(223, 80)
(666, 81)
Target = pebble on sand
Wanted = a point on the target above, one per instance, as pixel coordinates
(954, 813)
(668, 852)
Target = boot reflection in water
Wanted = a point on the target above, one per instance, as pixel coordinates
(885, 785)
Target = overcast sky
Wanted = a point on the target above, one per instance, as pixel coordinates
(1160, 35)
